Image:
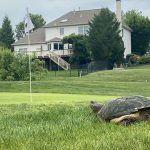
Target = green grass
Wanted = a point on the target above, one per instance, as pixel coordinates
(110, 83)
(59, 117)
(49, 98)
(62, 127)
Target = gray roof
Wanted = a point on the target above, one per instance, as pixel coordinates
(55, 39)
(74, 18)
(70, 19)
(77, 18)
(36, 37)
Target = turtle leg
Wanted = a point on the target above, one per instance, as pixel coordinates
(127, 119)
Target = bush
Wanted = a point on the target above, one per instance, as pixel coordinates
(145, 60)
(16, 67)
(133, 59)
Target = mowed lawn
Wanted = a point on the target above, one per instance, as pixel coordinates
(59, 117)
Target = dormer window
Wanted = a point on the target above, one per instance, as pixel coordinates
(61, 31)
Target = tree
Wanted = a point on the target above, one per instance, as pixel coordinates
(6, 33)
(0, 34)
(104, 40)
(80, 52)
(140, 36)
(37, 21)
(2, 46)
(19, 30)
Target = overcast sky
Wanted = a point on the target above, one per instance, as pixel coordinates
(51, 9)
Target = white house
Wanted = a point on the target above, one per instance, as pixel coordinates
(46, 41)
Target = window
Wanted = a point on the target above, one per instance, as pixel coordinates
(55, 46)
(49, 46)
(83, 29)
(61, 31)
(70, 46)
(80, 30)
(61, 46)
(58, 46)
(23, 50)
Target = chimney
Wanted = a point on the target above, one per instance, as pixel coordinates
(118, 14)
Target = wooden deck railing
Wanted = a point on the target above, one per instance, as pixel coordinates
(55, 58)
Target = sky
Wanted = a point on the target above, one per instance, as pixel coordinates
(52, 9)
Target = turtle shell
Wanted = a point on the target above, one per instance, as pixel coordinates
(123, 106)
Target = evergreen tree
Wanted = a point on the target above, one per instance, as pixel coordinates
(0, 34)
(7, 33)
(19, 30)
(37, 20)
(104, 40)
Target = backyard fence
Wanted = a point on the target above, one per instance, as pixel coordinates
(79, 70)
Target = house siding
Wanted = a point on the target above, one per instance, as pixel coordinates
(127, 41)
(55, 32)
(32, 48)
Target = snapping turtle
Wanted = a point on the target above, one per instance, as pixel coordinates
(125, 110)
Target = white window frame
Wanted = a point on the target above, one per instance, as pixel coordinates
(80, 29)
(62, 30)
(83, 29)
(49, 46)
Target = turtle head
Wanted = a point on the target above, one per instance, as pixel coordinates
(95, 106)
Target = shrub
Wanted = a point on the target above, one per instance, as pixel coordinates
(16, 67)
(145, 60)
(133, 59)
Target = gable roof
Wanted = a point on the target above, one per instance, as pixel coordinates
(70, 19)
(82, 17)
(74, 18)
(36, 37)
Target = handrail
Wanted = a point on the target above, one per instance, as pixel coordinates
(57, 59)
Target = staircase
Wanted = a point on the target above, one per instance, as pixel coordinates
(55, 58)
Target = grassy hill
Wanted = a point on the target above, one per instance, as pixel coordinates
(59, 117)
(113, 83)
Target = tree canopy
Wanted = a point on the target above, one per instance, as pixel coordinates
(140, 36)
(37, 21)
(80, 51)
(6, 33)
(104, 40)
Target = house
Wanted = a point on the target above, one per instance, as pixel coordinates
(46, 42)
